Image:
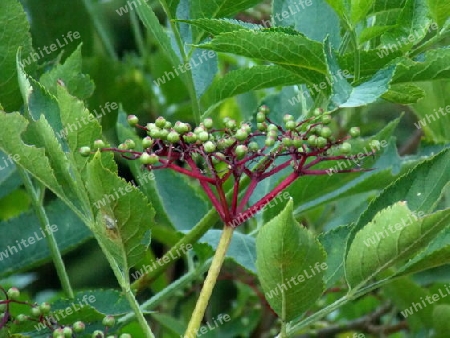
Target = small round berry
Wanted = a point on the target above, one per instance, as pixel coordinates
(13, 293)
(68, 332)
(272, 133)
(297, 142)
(181, 127)
(78, 327)
(146, 158)
(375, 144)
(130, 144)
(321, 142)
(291, 125)
(241, 151)
(98, 334)
(150, 126)
(231, 124)
(147, 142)
(270, 141)
(260, 117)
(125, 335)
(168, 125)
(261, 126)
(287, 141)
(208, 123)
(272, 127)
(326, 119)
(163, 134)
(225, 120)
(253, 146)
(241, 135)
(246, 127)
(21, 318)
(318, 111)
(85, 151)
(190, 137)
(58, 333)
(209, 147)
(109, 321)
(98, 144)
(45, 308)
(312, 140)
(346, 147)
(230, 141)
(122, 146)
(154, 132)
(36, 311)
(203, 136)
(355, 131)
(288, 117)
(160, 122)
(264, 109)
(173, 137)
(132, 120)
(325, 132)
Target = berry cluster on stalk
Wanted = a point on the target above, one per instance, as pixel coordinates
(40, 313)
(212, 155)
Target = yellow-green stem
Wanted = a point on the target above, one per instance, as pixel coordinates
(210, 282)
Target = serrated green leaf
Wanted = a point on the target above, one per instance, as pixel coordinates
(219, 8)
(219, 26)
(341, 7)
(242, 248)
(13, 34)
(404, 93)
(394, 235)
(15, 256)
(372, 32)
(288, 253)
(440, 11)
(293, 52)
(244, 80)
(315, 19)
(359, 9)
(122, 233)
(70, 73)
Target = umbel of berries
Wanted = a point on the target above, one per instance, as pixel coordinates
(247, 154)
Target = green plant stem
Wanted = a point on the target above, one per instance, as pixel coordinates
(210, 282)
(140, 317)
(357, 56)
(45, 226)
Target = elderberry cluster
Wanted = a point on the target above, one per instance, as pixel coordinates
(212, 153)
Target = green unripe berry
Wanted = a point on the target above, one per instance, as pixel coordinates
(321, 142)
(287, 141)
(67, 331)
(168, 125)
(199, 129)
(288, 117)
(261, 126)
(109, 321)
(264, 109)
(154, 132)
(318, 111)
(272, 127)
(98, 334)
(78, 327)
(325, 132)
(354, 131)
(147, 142)
(241, 151)
(231, 124)
(21, 318)
(326, 119)
(98, 144)
(291, 125)
(173, 137)
(130, 144)
(132, 120)
(146, 158)
(270, 141)
(163, 134)
(125, 335)
(241, 135)
(150, 126)
(190, 137)
(203, 136)
(297, 142)
(218, 157)
(209, 147)
(225, 120)
(13, 293)
(208, 123)
(230, 141)
(181, 127)
(85, 151)
(253, 146)
(246, 127)
(160, 122)
(58, 333)
(375, 145)
(260, 117)
(272, 133)
(35, 311)
(45, 308)
(346, 147)
(312, 141)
